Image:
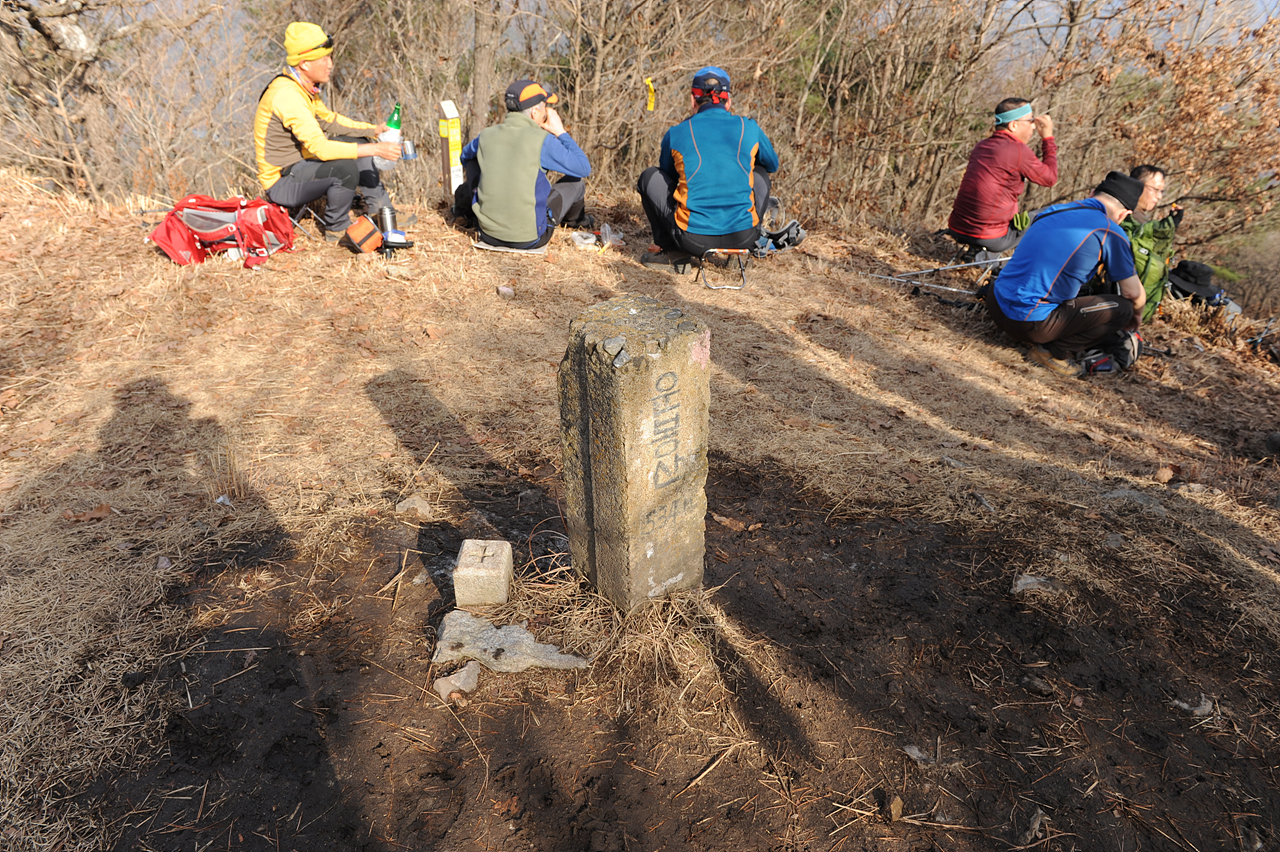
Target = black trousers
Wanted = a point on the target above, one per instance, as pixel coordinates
(566, 202)
(657, 196)
(1075, 326)
(337, 181)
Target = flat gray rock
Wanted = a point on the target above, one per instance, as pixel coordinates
(499, 649)
(415, 505)
(465, 679)
(1028, 583)
(1136, 497)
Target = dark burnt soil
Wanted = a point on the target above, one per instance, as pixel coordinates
(912, 684)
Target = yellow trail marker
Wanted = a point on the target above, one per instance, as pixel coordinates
(653, 96)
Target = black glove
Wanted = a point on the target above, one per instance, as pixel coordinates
(1176, 216)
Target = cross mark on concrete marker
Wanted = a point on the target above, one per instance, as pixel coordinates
(484, 552)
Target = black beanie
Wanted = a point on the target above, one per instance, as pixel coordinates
(1121, 187)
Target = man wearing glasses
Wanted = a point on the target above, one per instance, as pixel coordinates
(1151, 238)
(306, 150)
(999, 167)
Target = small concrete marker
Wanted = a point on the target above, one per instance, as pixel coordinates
(634, 396)
(483, 576)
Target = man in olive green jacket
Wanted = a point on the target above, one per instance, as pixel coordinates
(507, 190)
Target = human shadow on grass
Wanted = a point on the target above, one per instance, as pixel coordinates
(492, 496)
(161, 521)
(873, 671)
(271, 746)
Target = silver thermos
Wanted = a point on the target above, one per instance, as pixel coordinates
(386, 220)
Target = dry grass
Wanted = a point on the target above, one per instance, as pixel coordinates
(1209, 323)
(677, 656)
(323, 387)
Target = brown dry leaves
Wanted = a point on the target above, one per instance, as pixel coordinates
(736, 526)
(97, 513)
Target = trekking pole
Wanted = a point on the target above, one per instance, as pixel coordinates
(918, 283)
(142, 215)
(991, 262)
(1256, 342)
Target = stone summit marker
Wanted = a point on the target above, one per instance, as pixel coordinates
(634, 396)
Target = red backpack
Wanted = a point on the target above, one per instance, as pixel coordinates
(199, 226)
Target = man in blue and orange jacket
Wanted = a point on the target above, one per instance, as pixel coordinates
(711, 186)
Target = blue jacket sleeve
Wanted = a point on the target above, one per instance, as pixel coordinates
(665, 162)
(469, 150)
(562, 154)
(766, 157)
(1117, 255)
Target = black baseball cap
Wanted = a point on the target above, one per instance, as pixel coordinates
(523, 94)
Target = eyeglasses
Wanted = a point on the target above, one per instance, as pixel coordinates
(327, 44)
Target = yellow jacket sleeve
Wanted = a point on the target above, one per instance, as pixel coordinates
(341, 123)
(295, 113)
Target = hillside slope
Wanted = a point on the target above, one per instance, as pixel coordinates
(215, 629)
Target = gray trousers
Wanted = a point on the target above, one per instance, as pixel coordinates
(337, 181)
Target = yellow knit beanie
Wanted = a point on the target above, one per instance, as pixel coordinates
(303, 41)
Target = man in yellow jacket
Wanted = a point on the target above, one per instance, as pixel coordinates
(306, 150)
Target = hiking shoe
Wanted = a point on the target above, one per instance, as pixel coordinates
(789, 237)
(466, 221)
(334, 236)
(1064, 367)
(671, 261)
(586, 222)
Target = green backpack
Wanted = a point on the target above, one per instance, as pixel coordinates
(1152, 255)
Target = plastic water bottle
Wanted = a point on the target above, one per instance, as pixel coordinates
(610, 237)
(391, 134)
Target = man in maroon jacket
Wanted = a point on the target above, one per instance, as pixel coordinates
(999, 168)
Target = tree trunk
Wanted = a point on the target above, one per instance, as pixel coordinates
(490, 19)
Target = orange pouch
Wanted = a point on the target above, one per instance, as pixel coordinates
(364, 235)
